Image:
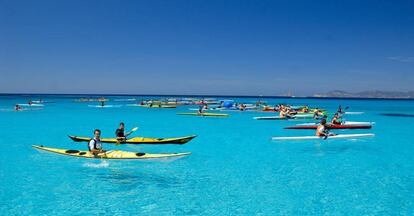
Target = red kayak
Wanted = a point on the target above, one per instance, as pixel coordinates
(331, 126)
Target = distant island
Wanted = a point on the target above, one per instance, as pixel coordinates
(367, 94)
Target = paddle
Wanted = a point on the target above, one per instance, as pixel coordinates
(328, 135)
(132, 131)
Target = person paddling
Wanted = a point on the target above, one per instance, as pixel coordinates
(322, 130)
(284, 114)
(17, 107)
(95, 145)
(200, 109)
(317, 113)
(120, 132)
(305, 109)
(336, 119)
(340, 109)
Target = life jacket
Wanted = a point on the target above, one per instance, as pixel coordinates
(94, 145)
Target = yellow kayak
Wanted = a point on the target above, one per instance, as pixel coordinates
(139, 140)
(205, 114)
(111, 154)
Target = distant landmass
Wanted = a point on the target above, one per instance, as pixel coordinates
(368, 94)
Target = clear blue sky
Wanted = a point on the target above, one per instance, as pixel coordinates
(205, 47)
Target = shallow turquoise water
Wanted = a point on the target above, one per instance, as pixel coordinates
(234, 169)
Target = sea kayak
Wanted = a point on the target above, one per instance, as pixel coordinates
(31, 105)
(140, 140)
(105, 106)
(205, 114)
(269, 118)
(351, 113)
(342, 136)
(343, 123)
(111, 154)
(301, 116)
(42, 102)
(153, 106)
(330, 126)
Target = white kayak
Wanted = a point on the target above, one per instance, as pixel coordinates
(105, 106)
(269, 118)
(298, 116)
(343, 123)
(341, 136)
(352, 113)
(32, 105)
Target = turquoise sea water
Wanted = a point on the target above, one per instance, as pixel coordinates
(234, 168)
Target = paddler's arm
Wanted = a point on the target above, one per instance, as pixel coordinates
(127, 134)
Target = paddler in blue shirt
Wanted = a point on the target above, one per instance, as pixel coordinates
(95, 145)
(340, 109)
(317, 113)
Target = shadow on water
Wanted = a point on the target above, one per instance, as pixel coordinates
(127, 180)
(323, 148)
(398, 115)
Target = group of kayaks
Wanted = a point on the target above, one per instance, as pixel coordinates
(118, 154)
(322, 128)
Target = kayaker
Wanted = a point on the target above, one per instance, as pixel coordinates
(242, 107)
(17, 107)
(317, 113)
(284, 114)
(321, 130)
(336, 119)
(200, 109)
(95, 145)
(120, 133)
(340, 109)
